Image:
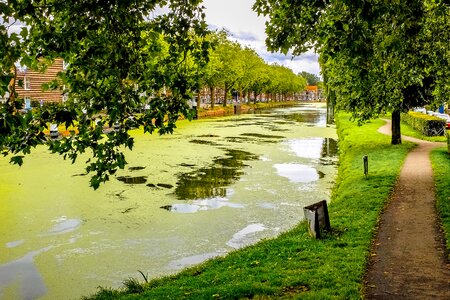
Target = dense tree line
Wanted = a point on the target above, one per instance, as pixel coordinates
(233, 67)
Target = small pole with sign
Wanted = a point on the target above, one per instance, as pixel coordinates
(366, 165)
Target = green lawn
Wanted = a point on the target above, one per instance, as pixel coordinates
(295, 265)
(440, 159)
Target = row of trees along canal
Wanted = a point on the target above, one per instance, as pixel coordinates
(230, 66)
(376, 57)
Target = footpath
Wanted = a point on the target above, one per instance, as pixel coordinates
(408, 258)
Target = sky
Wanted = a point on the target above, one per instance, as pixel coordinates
(246, 27)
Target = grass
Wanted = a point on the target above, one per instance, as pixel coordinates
(294, 265)
(410, 131)
(440, 160)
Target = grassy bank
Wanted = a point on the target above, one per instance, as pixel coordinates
(295, 265)
(440, 159)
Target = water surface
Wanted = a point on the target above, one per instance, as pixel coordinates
(213, 186)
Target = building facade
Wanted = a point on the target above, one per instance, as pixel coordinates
(32, 91)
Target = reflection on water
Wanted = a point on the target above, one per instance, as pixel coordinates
(199, 205)
(297, 172)
(243, 237)
(132, 180)
(313, 147)
(136, 168)
(329, 147)
(266, 136)
(24, 273)
(212, 181)
(225, 204)
(311, 117)
(64, 225)
(14, 244)
(192, 260)
(303, 115)
(203, 142)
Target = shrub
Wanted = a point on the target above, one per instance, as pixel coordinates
(448, 141)
(36, 103)
(428, 125)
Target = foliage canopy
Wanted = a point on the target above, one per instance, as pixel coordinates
(129, 64)
(376, 55)
(121, 56)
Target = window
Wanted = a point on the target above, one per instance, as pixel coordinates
(65, 65)
(27, 101)
(65, 95)
(27, 83)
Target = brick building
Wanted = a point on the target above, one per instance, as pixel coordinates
(32, 81)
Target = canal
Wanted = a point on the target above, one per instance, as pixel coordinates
(212, 187)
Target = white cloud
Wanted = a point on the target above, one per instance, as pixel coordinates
(246, 27)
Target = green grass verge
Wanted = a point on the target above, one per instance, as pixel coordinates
(294, 265)
(410, 131)
(440, 160)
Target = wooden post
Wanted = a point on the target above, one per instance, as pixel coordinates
(317, 217)
(366, 165)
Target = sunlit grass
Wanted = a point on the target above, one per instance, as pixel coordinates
(440, 159)
(294, 265)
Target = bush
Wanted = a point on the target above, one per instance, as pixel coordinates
(448, 141)
(37, 104)
(428, 125)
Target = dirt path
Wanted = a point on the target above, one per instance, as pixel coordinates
(408, 257)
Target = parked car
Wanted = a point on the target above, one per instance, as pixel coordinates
(420, 109)
(446, 117)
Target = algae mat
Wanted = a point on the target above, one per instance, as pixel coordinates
(213, 186)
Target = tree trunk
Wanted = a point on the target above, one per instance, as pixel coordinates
(225, 96)
(330, 106)
(12, 89)
(198, 100)
(211, 91)
(331, 99)
(396, 131)
(255, 95)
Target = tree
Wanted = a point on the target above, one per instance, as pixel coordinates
(230, 64)
(312, 79)
(120, 58)
(261, 82)
(251, 66)
(377, 56)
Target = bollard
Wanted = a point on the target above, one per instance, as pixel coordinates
(366, 165)
(317, 217)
